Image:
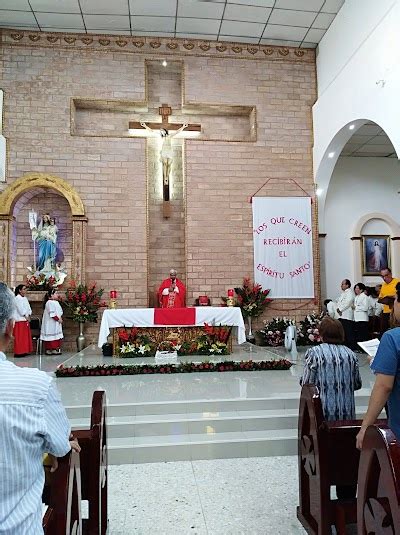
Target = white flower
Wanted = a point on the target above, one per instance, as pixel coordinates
(142, 349)
(178, 346)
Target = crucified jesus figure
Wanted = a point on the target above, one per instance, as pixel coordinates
(166, 154)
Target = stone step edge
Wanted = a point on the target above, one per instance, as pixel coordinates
(219, 440)
(287, 397)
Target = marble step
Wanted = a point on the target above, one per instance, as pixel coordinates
(288, 401)
(193, 436)
(197, 423)
(135, 450)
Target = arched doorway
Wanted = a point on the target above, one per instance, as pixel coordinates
(358, 178)
(48, 193)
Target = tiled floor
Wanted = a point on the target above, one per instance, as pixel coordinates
(217, 497)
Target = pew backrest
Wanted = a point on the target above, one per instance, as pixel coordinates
(64, 512)
(378, 501)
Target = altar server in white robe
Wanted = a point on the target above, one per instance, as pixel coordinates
(361, 307)
(22, 331)
(345, 313)
(51, 332)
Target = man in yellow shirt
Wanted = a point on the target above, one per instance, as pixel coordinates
(388, 290)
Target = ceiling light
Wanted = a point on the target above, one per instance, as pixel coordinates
(331, 155)
(319, 192)
(352, 127)
(164, 63)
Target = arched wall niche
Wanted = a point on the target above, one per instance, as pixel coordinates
(43, 193)
(370, 224)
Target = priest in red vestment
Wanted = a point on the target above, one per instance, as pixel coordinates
(172, 292)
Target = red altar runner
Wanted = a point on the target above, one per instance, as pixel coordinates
(175, 316)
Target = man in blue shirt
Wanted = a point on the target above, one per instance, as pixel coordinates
(386, 366)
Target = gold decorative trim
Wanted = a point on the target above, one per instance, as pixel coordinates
(150, 45)
(40, 180)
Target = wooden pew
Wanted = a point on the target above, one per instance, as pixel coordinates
(93, 457)
(327, 455)
(92, 481)
(378, 502)
(63, 515)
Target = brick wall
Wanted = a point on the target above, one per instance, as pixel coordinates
(110, 173)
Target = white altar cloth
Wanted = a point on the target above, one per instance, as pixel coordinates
(144, 317)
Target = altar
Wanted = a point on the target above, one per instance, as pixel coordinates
(180, 318)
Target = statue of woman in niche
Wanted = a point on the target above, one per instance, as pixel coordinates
(45, 235)
(166, 154)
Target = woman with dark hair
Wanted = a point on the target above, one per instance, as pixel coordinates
(395, 312)
(333, 368)
(22, 331)
(361, 307)
(51, 332)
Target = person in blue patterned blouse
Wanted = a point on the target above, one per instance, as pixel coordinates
(333, 368)
(32, 422)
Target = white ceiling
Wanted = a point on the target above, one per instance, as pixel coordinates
(299, 23)
(369, 140)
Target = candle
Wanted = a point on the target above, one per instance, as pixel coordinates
(230, 292)
(113, 294)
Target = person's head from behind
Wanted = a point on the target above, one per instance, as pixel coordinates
(51, 294)
(20, 290)
(359, 288)
(345, 284)
(7, 308)
(386, 275)
(172, 275)
(331, 331)
(327, 301)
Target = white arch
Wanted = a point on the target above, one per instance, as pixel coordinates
(324, 170)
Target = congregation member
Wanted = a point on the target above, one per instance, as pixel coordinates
(330, 307)
(333, 369)
(22, 332)
(345, 313)
(361, 309)
(395, 312)
(51, 332)
(386, 367)
(32, 422)
(387, 296)
(172, 292)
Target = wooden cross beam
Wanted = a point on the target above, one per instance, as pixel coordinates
(165, 111)
(166, 155)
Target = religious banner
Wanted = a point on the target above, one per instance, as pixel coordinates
(283, 253)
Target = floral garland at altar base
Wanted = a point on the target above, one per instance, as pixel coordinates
(214, 341)
(183, 367)
(308, 332)
(274, 331)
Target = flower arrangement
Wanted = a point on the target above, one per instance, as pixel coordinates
(213, 342)
(308, 333)
(169, 346)
(39, 281)
(251, 298)
(274, 330)
(83, 302)
(132, 344)
(183, 367)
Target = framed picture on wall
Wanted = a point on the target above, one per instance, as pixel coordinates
(375, 254)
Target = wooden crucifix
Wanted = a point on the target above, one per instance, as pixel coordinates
(166, 153)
